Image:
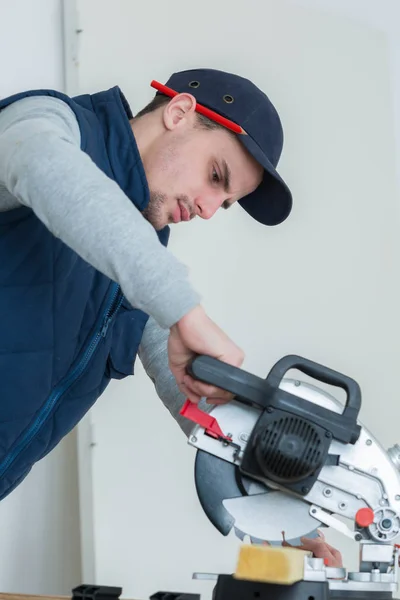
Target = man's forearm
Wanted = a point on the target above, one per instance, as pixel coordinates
(154, 357)
(43, 167)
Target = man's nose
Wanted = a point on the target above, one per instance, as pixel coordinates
(207, 206)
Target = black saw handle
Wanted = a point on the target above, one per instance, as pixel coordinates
(226, 377)
(323, 374)
(264, 392)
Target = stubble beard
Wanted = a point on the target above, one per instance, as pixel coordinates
(154, 212)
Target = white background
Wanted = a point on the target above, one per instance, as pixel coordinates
(39, 521)
(325, 284)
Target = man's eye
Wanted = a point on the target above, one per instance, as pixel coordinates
(215, 177)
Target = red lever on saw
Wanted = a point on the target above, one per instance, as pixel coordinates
(210, 424)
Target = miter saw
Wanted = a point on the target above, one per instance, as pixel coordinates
(285, 455)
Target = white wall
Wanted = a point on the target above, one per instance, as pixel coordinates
(385, 17)
(39, 521)
(327, 286)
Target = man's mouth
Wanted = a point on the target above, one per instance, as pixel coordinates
(181, 213)
(185, 214)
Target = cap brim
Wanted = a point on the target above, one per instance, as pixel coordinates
(271, 203)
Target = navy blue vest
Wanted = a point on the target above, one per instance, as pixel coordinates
(66, 329)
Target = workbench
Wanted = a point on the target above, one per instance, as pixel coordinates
(31, 597)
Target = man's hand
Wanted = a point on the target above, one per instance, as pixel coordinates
(320, 549)
(197, 334)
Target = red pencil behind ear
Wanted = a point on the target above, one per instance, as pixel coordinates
(163, 89)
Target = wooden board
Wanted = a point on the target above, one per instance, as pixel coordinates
(269, 564)
(31, 597)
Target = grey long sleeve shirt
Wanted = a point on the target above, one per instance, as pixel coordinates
(43, 167)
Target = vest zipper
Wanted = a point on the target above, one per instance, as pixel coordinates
(113, 305)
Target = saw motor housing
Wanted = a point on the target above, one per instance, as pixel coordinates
(287, 450)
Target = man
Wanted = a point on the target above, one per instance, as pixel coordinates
(87, 196)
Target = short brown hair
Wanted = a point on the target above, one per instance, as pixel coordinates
(160, 100)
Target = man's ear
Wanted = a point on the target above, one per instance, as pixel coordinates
(179, 111)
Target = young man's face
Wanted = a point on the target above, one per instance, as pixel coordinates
(193, 171)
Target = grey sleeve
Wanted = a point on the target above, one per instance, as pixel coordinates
(43, 167)
(154, 357)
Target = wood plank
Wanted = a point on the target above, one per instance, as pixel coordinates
(271, 564)
(31, 597)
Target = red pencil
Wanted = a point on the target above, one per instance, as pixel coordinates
(201, 109)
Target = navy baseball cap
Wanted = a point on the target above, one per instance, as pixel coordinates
(239, 105)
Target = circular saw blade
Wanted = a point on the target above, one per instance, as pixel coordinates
(215, 481)
(232, 501)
